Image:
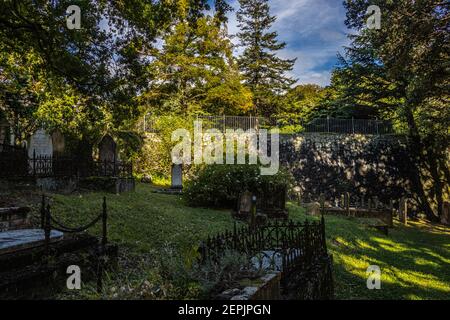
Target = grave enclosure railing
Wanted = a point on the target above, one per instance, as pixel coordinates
(359, 207)
(49, 223)
(14, 162)
(295, 245)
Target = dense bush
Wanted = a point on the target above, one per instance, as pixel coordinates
(219, 186)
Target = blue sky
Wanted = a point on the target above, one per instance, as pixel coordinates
(314, 31)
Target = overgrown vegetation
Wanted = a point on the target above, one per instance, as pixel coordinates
(219, 186)
(414, 259)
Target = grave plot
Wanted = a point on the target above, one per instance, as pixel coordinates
(296, 251)
(372, 212)
(257, 207)
(32, 258)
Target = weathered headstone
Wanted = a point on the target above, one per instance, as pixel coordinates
(245, 203)
(107, 149)
(177, 176)
(40, 144)
(445, 219)
(59, 142)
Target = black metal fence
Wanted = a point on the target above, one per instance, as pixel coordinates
(49, 222)
(286, 246)
(14, 162)
(319, 125)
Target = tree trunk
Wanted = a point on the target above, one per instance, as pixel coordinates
(416, 150)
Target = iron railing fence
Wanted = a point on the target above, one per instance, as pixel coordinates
(318, 125)
(14, 162)
(286, 246)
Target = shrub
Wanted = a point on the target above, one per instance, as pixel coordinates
(219, 186)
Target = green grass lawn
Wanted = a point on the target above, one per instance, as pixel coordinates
(414, 259)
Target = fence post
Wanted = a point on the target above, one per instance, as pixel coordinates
(322, 204)
(104, 225)
(34, 162)
(47, 230)
(324, 240)
(145, 123)
(224, 126)
(328, 124)
(376, 123)
(43, 212)
(353, 125)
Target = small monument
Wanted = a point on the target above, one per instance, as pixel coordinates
(245, 203)
(59, 143)
(244, 206)
(40, 144)
(107, 149)
(177, 177)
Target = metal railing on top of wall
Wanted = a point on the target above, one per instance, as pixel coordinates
(318, 125)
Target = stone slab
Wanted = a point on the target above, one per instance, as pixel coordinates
(25, 238)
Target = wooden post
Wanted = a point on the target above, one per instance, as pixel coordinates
(362, 202)
(347, 203)
(403, 211)
(322, 204)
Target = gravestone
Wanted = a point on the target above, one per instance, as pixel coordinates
(177, 177)
(107, 149)
(245, 203)
(59, 142)
(40, 144)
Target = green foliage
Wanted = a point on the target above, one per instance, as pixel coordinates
(195, 71)
(155, 157)
(219, 186)
(401, 72)
(413, 258)
(302, 102)
(263, 71)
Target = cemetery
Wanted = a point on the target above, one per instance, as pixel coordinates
(286, 233)
(182, 150)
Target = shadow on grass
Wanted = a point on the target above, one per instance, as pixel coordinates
(414, 259)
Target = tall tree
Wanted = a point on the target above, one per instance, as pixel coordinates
(264, 72)
(406, 62)
(195, 71)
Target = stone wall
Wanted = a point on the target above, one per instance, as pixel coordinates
(359, 164)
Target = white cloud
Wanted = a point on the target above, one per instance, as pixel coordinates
(314, 31)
